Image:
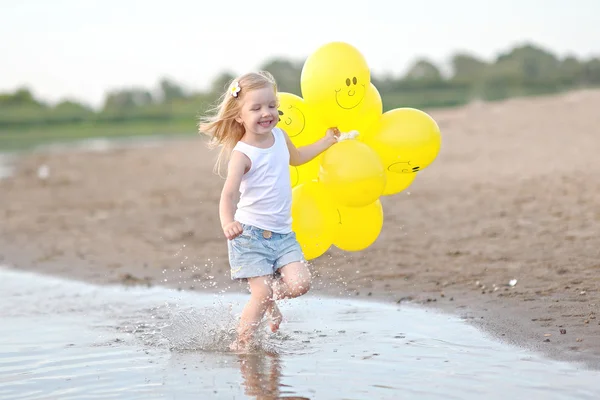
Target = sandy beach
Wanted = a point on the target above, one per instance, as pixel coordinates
(513, 195)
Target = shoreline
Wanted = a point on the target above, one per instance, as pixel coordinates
(514, 194)
(508, 323)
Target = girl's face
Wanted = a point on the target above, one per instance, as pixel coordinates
(259, 111)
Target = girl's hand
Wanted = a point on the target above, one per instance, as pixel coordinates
(232, 230)
(331, 136)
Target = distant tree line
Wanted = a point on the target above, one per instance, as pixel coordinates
(524, 70)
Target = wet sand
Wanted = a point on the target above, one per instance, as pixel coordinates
(514, 194)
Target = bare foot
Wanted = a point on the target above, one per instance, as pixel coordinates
(275, 317)
(239, 346)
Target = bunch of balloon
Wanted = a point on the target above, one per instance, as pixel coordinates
(336, 196)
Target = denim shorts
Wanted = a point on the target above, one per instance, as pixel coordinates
(256, 252)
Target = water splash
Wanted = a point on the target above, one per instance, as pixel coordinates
(188, 329)
(205, 329)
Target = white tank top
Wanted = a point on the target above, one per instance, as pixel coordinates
(265, 190)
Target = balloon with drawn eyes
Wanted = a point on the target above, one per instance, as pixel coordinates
(335, 80)
(407, 141)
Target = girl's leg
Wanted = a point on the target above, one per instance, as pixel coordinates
(275, 316)
(295, 281)
(261, 300)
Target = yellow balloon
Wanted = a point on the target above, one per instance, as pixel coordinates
(298, 121)
(335, 80)
(395, 183)
(306, 172)
(371, 110)
(353, 172)
(314, 218)
(359, 227)
(368, 132)
(408, 140)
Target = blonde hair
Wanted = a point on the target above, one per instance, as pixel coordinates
(221, 126)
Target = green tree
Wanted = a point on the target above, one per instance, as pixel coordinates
(221, 83)
(529, 64)
(286, 73)
(122, 100)
(467, 68)
(170, 91)
(72, 106)
(571, 71)
(424, 71)
(591, 71)
(22, 97)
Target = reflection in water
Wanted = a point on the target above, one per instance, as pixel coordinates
(262, 376)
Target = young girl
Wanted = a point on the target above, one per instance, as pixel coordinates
(262, 246)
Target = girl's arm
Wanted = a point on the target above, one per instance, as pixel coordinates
(239, 164)
(302, 155)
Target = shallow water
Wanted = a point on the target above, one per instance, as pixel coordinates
(104, 144)
(71, 340)
(6, 165)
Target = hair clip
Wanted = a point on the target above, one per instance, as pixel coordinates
(234, 89)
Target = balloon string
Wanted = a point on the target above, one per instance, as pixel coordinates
(347, 135)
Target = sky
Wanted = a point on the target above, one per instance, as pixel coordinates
(80, 49)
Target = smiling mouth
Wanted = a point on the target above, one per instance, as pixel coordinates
(351, 93)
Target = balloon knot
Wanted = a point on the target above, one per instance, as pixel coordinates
(347, 135)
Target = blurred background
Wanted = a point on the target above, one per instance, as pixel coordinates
(82, 69)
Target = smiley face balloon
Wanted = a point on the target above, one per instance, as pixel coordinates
(407, 141)
(335, 80)
(296, 119)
